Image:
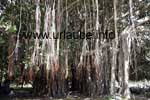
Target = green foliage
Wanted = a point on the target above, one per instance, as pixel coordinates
(2, 41)
(11, 28)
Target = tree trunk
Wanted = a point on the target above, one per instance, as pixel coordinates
(115, 49)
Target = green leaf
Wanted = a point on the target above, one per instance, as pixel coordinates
(11, 29)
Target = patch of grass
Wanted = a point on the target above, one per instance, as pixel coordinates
(109, 98)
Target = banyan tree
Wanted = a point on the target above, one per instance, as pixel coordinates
(59, 63)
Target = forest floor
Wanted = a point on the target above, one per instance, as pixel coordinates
(25, 94)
